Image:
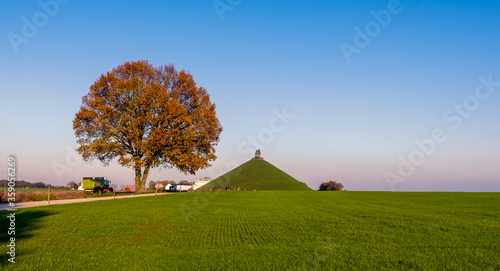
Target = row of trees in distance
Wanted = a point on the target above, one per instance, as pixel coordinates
(26, 184)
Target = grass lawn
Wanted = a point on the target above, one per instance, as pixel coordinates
(262, 230)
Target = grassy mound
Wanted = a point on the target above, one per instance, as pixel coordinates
(256, 175)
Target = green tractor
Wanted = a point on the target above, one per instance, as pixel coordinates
(96, 185)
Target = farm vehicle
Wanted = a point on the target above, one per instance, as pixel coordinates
(96, 185)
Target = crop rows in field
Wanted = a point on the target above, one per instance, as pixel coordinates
(265, 230)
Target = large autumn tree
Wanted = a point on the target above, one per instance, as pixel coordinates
(148, 117)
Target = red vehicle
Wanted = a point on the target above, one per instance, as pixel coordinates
(130, 188)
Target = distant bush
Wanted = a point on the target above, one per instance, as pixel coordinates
(331, 186)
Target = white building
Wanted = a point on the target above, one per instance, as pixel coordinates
(199, 183)
(167, 186)
(180, 187)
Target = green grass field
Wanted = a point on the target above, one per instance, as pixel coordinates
(263, 230)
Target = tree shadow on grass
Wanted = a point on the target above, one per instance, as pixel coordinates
(25, 223)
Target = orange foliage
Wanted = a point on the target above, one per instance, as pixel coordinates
(148, 117)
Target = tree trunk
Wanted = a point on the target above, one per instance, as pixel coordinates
(141, 178)
(144, 177)
(138, 175)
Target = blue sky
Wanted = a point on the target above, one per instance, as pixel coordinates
(353, 121)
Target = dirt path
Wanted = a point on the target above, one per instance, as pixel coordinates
(5, 206)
